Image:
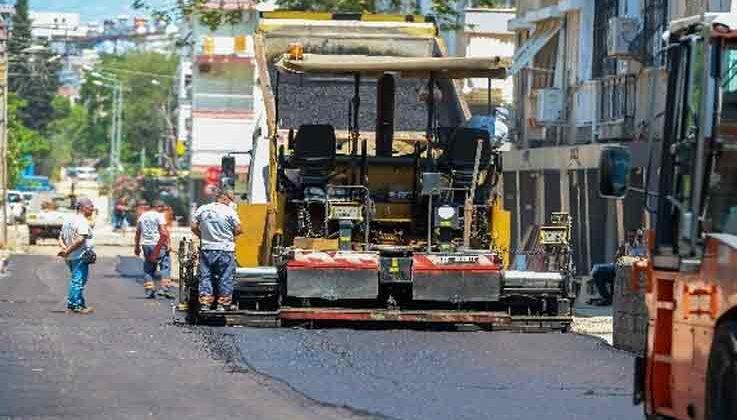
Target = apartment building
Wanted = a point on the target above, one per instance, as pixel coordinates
(485, 34)
(587, 73)
(222, 111)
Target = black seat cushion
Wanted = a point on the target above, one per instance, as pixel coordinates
(462, 148)
(315, 142)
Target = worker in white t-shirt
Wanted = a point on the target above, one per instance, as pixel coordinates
(76, 239)
(217, 225)
(152, 237)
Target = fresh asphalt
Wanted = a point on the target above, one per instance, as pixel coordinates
(128, 360)
(125, 361)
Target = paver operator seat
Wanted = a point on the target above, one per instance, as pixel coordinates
(461, 154)
(314, 154)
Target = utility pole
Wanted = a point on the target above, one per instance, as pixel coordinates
(4, 129)
(113, 139)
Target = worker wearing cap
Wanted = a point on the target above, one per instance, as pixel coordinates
(152, 237)
(75, 239)
(217, 225)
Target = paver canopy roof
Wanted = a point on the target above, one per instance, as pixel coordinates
(441, 67)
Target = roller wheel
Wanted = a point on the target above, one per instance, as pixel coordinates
(721, 382)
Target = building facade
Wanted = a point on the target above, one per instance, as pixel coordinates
(223, 112)
(485, 34)
(587, 73)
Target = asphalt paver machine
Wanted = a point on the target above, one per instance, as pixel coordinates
(376, 227)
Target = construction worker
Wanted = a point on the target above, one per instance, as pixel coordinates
(152, 236)
(75, 242)
(217, 225)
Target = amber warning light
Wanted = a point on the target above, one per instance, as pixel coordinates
(296, 51)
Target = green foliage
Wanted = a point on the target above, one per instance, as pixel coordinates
(69, 133)
(21, 36)
(350, 6)
(22, 141)
(145, 105)
(444, 10)
(31, 75)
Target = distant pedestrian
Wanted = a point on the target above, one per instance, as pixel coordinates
(604, 276)
(217, 225)
(152, 236)
(634, 245)
(75, 241)
(119, 213)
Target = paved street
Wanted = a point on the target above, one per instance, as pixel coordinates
(128, 361)
(125, 361)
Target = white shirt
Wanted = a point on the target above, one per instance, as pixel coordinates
(148, 225)
(75, 227)
(218, 223)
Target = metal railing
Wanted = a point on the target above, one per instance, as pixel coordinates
(617, 98)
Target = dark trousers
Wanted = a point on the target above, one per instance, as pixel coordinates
(603, 276)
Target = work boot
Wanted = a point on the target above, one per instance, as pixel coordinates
(166, 294)
(220, 308)
(81, 310)
(150, 289)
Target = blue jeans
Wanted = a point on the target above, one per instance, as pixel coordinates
(217, 269)
(80, 271)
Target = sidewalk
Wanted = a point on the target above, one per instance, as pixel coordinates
(596, 321)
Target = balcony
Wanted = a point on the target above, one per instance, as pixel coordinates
(617, 105)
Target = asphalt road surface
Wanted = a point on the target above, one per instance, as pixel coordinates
(125, 361)
(128, 361)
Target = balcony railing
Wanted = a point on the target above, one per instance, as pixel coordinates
(617, 98)
(537, 78)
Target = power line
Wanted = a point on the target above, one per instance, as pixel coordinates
(140, 73)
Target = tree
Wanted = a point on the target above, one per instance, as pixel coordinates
(147, 107)
(32, 75)
(20, 39)
(69, 133)
(445, 11)
(22, 141)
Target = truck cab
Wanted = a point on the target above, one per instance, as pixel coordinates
(689, 370)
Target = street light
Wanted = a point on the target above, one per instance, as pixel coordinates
(116, 130)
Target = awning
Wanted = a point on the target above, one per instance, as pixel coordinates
(440, 67)
(543, 34)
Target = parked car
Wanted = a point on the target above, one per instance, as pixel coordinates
(16, 207)
(27, 197)
(83, 173)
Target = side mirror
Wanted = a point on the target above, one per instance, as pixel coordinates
(615, 166)
(228, 171)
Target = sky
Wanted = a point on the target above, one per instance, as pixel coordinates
(91, 10)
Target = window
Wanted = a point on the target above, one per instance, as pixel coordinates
(722, 194)
(655, 18)
(602, 65)
(223, 87)
(729, 87)
(722, 202)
